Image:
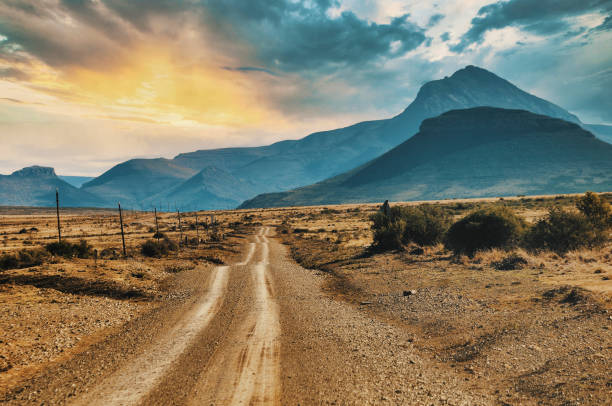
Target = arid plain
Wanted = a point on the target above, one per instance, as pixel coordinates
(291, 306)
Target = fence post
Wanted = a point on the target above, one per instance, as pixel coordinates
(59, 230)
(156, 225)
(180, 227)
(197, 232)
(122, 235)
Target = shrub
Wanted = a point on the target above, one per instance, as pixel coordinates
(23, 259)
(68, 250)
(563, 230)
(151, 248)
(596, 209)
(423, 225)
(109, 253)
(510, 263)
(388, 229)
(82, 249)
(493, 227)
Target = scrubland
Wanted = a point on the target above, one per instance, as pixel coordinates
(528, 326)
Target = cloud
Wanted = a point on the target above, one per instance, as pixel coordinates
(606, 25)
(13, 73)
(175, 75)
(435, 19)
(302, 36)
(248, 69)
(543, 17)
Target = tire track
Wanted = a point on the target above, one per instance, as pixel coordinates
(246, 368)
(259, 362)
(129, 385)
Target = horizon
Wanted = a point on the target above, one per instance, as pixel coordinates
(174, 78)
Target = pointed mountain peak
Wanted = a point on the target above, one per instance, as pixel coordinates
(471, 87)
(35, 171)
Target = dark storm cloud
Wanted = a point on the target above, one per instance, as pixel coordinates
(282, 35)
(541, 17)
(292, 36)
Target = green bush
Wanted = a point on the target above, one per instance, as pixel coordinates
(151, 248)
(388, 229)
(67, 249)
(493, 227)
(596, 209)
(423, 225)
(563, 230)
(23, 259)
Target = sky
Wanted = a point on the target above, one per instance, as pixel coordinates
(87, 84)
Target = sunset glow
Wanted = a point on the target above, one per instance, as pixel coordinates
(80, 78)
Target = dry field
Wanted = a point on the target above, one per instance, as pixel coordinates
(50, 312)
(536, 335)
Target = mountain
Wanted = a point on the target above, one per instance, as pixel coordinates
(133, 181)
(476, 152)
(603, 132)
(35, 186)
(211, 187)
(293, 163)
(76, 181)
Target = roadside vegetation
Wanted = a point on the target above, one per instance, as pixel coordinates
(511, 294)
(562, 230)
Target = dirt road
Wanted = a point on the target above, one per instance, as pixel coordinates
(259, 332)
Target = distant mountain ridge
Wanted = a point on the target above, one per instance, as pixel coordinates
(35, 186)
(290, 164)
(474, 152)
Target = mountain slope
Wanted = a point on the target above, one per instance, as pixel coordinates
(305, 161)
(293, 163)
(35, 186)
(76, 181)
(133, 181)
(470, 153)
(603, 132)
(212, 187)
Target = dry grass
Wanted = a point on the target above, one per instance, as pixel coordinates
(534, 330)
(535, 334)
(48, 312)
